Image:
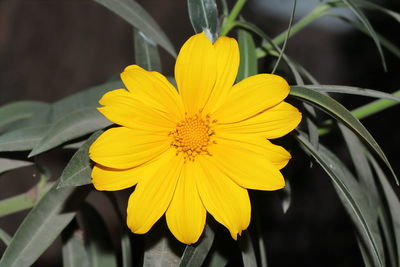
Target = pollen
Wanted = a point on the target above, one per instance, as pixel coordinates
(193, 136)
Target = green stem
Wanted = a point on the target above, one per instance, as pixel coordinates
(25, 200)
(305, 21)
(374, 107)
(230, 21)
(365, 111)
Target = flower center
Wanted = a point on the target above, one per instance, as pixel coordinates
(192, 136)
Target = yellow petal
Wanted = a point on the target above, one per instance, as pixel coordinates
(186, 215)
(154, 89)
(122, 108)
(153, 193)
(227, 202)
(228, 58)
(123, 148)
(252, 96)
(249, 162)
(195, 72)
(272, 123)
(109, 179)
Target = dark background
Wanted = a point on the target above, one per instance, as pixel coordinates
(52, 48)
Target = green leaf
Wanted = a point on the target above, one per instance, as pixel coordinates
(352, 197)
(73, 250)
(203, 15)
(286, 37)
(11, 164)
(98, 245)
(393, 203)
(75, 124)
(78, 170)
(36, 129)
(194, 255)
(159, 251)
(370, 5)
(350, 90)
(286, 196)
(23, 138)
(146, 52)
(19, 110)
(384, 42)
(135, 15)
(335, 109)
(247, 248)
(248, 58)
(275, 51)
(5, 237)
(360, 15)
(43, 225)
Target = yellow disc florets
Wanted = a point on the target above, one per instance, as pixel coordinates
(192, 136)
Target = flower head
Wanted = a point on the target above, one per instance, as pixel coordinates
(197, 150)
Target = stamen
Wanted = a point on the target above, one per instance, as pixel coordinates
(192, 136)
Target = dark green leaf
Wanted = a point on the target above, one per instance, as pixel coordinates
(392, 202)
(6, 238)
(286, 37)
(78, 170)
(360, 15)
(135, 15)
(352, 196)
(75, 124)
(73, 249)
(146, 52)
(204, 17)
(19, 110)
(371, 5)
(43, 225)
(22, 139)
(339, 112)
(194, 255)
(248, 58)
(350, 90)
(11, 164)
(98, 240)
(159, 251)
(247, 248)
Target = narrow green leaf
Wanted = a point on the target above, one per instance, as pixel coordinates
(275, 49)
(373, 6)
(248, 59)
(98, 245)
(247, 248)
(286, 37)
(335, 109)
(384, 42)
(75, 124)
(73, 249)
(361, 165)
(22, 139)
(146, 52)
(43, 225)
(78, 170)
(5, 237)
(352, 197)
(392, 201)
(286, 196)
(203, 15)
(135, 15)
(194, 255)
(351, 90)
(11, 164)
(19, 110)
(360, 15)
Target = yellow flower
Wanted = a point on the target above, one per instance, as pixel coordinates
(198, 150)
